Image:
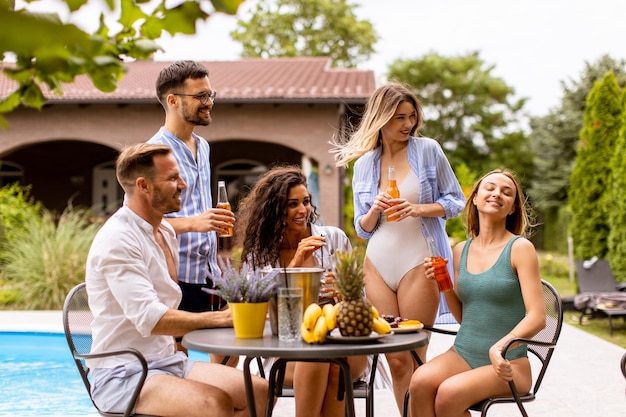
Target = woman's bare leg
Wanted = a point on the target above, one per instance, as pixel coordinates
(418, 299)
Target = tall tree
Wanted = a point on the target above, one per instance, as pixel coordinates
(48, 52)
(290, 28)
(590, 181)
(617, 213)
(468, 110)
(553, 144)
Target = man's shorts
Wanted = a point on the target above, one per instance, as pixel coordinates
(111, 388)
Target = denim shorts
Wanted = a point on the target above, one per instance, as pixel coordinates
(111, 388)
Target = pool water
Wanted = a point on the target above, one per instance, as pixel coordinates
(38, 377)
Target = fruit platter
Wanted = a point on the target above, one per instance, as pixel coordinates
(327, 323)
(354, 316)
(402, 325)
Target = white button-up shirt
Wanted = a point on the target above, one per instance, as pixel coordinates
(129, 288)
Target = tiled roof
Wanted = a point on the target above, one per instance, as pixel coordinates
(259, 80)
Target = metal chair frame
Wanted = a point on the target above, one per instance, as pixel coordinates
(542, 346)
(361, 389)
(76, 323)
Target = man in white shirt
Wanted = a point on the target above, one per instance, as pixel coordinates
(133, 295)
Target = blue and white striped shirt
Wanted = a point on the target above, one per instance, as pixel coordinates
(198, 251)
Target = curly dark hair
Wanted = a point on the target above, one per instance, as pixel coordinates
(262, 214)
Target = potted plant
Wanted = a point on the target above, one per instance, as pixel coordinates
(247, 292)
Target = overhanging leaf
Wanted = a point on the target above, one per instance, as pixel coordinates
(227, 6)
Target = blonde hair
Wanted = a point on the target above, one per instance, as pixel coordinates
(379, 109)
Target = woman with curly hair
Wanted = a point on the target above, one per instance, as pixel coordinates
(277, 221)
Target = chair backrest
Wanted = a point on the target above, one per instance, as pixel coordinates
(550, 333)
(595, 276)
(77, 326)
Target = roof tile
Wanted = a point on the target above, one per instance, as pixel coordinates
(273, 79)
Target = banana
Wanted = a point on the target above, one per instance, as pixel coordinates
(307, 335)
(311, 314)
(320, 331)
(375, 312)
(330, 314)
(337, 307)
(381, 326)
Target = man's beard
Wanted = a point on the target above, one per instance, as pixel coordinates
(165, 204)
(194, 118)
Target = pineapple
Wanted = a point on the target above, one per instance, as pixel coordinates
(354, 317)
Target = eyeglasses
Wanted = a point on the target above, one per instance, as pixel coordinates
(202, 97)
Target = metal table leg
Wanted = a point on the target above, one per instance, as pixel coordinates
(247, 378)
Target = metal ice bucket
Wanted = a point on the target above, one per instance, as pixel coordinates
(306, 278)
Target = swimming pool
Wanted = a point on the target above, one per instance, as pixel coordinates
(39, 378)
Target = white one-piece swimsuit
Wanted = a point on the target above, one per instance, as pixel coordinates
(397, 247)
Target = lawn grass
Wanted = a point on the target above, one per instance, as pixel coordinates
(596, 326)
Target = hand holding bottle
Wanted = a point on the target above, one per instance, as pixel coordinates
(223, 203)
(439, 265)
(392, 190)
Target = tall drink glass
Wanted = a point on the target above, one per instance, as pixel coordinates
(290, 312)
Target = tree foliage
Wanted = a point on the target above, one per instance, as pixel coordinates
(291, 28)
(49, 52)
(617, 211)
(553, 143)
(554, 136)
(469, 111)
(590, 181)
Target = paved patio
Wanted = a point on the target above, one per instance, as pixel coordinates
(583, 379)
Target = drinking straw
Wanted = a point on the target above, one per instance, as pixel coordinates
(322, 235)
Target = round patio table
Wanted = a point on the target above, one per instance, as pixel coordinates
(223, 341)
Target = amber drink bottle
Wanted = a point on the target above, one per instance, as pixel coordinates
(392, 189)
(441, 269)
(222, 202)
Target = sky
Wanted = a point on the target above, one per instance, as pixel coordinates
(533, 45)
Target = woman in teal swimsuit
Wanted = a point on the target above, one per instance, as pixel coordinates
(497, 296)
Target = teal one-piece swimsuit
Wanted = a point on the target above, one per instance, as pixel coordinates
(492, 307)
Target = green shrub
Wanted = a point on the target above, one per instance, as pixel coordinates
(550, 266)
(47, 258)
(16, 207)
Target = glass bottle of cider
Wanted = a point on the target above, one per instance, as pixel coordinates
(392, 188)
(222, 202)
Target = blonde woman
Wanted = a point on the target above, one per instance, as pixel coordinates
(395, 280)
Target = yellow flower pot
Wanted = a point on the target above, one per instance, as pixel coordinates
(248, 319)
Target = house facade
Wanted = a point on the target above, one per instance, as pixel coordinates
(267, 111)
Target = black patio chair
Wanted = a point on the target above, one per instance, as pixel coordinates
(542, 346)
(77, 326)
(599, 295)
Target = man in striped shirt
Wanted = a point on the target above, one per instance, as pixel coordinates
(184, 90)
